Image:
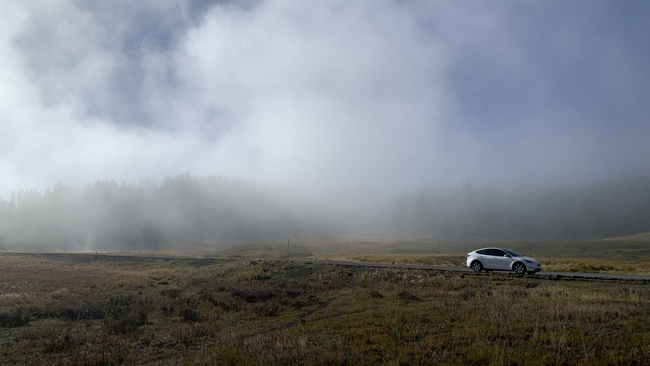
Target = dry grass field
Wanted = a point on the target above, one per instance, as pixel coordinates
(227, 309)
(625, 255)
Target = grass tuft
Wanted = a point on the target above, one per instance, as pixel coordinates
(407, 296)
(15, 318)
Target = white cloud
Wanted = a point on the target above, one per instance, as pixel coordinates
(44, 137)
(316, 90)
(379, 93)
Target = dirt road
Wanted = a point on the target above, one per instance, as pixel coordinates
(199, 262)
(574, 275)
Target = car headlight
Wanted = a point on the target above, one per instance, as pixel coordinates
(527, 261)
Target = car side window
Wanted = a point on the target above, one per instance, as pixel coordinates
(483, 251)
(498, 253)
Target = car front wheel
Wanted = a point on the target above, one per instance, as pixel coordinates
(476, 266)
(519, 268)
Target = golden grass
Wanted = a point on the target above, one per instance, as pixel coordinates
(451, 260)
(642, 237)
(627, 255)
(446, 260)
(75, 311)
(595, 266)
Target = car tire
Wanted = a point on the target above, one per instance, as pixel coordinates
(476, 266)
(519, 268)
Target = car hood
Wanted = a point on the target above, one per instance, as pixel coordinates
(530, 259)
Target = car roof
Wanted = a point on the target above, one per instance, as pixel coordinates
(488, 248)
(495, 248)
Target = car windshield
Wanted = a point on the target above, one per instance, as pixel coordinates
(513, 254)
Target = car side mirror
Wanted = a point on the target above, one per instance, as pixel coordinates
(507, 255)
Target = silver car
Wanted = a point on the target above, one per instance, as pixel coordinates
(500, 259)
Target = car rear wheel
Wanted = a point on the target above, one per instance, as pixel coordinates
(519, 268)
(476, 266)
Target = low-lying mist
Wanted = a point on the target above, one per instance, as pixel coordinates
(213, 211)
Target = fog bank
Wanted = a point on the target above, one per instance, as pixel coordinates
(186, 211)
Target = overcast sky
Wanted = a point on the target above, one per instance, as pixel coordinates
(356, 93)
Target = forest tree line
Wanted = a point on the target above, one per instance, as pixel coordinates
(604, 209)
(213, 210)
(108, 215)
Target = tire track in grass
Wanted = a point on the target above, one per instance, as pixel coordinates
(302, 318)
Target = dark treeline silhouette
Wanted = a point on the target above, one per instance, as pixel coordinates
(213, 210)
(609, 208)
(182, 210)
